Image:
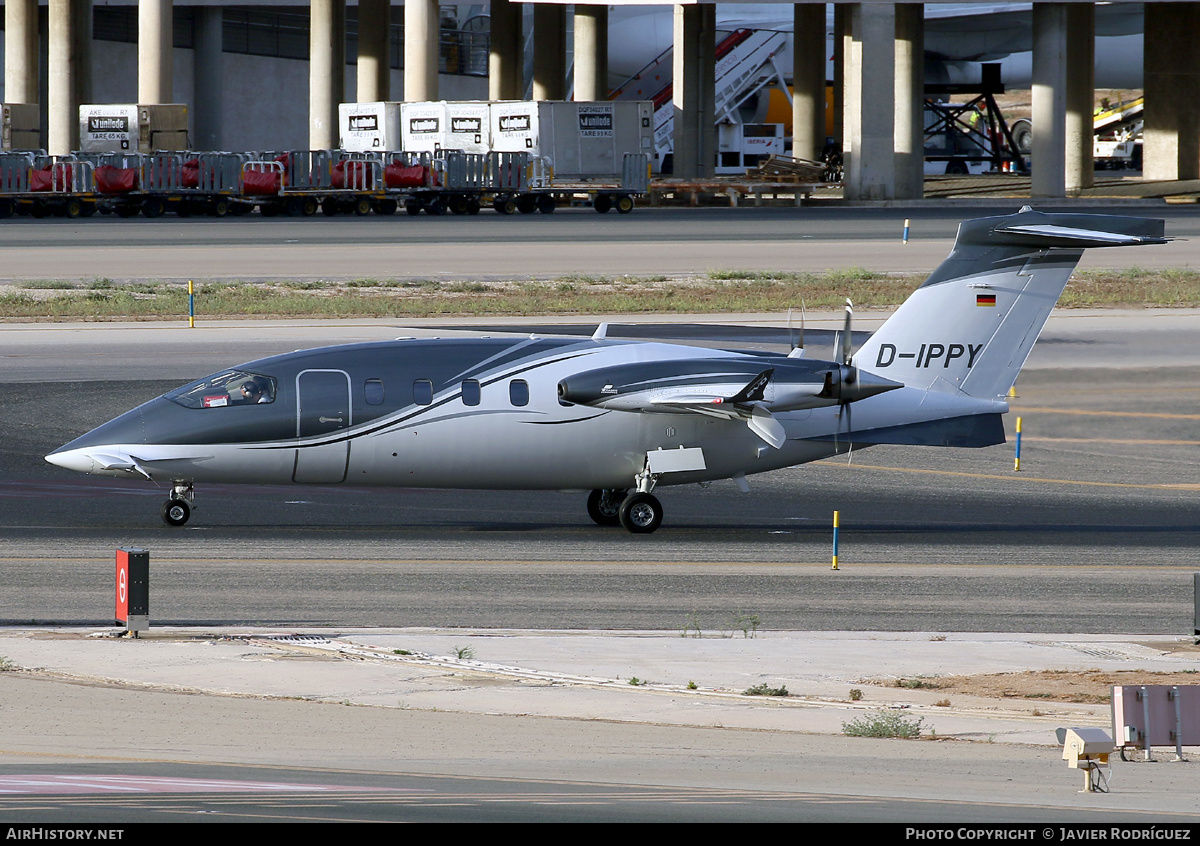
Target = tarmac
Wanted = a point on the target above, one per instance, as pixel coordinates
(662, 678)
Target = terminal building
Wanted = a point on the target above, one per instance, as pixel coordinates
(271, 76)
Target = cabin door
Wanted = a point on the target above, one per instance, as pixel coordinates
(322, 410)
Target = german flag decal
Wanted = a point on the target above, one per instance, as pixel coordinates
(985, 299)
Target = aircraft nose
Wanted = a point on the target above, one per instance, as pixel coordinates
(72, 459)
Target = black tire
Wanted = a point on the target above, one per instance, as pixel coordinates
(605, 510)
(89, 209)
(73, 207)
(153, 206)
(602, 203)
(546, 204)
(294, 206)
(362, 206)
(641, 513)
(412, 207)
(175, 512)
(624, 204)
(329, 207)
(386, 206)
(219, 207)
(527, 204)
(437, 207)
(183, 208)
(457, 204)
(473, 205)
(125, 209)
(238, 209)
(1022, 135)
(957, 167)
(7, 207)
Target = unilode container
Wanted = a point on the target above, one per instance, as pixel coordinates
(428, 127)
(363, 127)
(128, 128)
(581, 139)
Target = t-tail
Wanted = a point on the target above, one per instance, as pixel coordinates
(971, 325)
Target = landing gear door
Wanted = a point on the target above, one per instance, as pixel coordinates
(322, 408)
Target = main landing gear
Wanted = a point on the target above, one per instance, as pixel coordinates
(177, 509)
(639, 512)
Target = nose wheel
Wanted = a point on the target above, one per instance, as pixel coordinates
(177, 509)
(175, 512)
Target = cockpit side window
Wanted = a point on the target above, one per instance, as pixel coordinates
(229, 387)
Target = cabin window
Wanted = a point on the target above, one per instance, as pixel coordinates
(423, 392)
(470, 392)
(518, 392)
(373, 391)
(229, 387)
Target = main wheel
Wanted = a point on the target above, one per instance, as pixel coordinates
(641, 513)
(175, 512)
(604, 507)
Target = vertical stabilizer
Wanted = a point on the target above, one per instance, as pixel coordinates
(971, 324)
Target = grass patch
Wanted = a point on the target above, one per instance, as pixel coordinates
(764, 689)
(720, 291)
(884, 724)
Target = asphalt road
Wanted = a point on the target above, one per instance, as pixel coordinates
(571, 241)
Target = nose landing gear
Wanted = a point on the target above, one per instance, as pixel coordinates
(177, 509)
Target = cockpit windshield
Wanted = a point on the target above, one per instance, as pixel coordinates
(229, 387)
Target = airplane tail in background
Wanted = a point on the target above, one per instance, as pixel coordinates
(971, 324)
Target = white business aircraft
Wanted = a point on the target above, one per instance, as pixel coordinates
(619, 418)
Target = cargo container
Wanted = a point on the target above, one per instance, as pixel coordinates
(127, 128)
(433, 126)
(21, 126)
(367, 127)
(581, 141)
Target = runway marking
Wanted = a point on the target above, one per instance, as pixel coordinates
(1090, 413)
(1128, 441)
(834, 463)
(59, 784)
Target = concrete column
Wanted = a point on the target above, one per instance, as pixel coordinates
(1049, 99)
(808, 80)
(841, 49)
(505, 65)
(374, 69)
(1081, 97)
(326, 71)
(70, 49)
(209, 74)
(693, 87)
(550, 57)
(156, 65)
(20, 51)
(910, 101)
(1171, 145)
(869, 146)
(420, 50)
(591, 52)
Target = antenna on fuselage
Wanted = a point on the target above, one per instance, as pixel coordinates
(601, 332)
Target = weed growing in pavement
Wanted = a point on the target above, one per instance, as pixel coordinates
(884, 724)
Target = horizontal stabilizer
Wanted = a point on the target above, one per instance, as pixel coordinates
(1050, 235)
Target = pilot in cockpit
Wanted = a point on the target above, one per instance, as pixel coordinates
(254, 391)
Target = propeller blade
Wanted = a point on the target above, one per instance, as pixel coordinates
(846, 339)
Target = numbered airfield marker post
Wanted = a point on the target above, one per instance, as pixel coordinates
(906, 230)
(191, 306)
